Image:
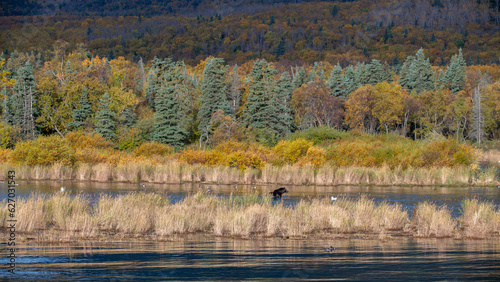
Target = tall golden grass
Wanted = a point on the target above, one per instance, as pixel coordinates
(176, 172)
(479, 219)
(150, 214)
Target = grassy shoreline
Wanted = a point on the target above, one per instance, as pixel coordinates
(61, 217)
(178, 172)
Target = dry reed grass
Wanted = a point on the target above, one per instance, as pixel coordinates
(479, 219)
(490, 156)
(172, 171)
(433, 221)
(139, 214)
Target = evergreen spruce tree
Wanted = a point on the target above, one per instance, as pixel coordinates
(347, 84)
(417, 74)
(422, 72)
(168, 127)
(440, 80)
(377, 72)
(105, 119)
(280, 49)
(299, 79)
(404, 78)
(282, 97)
(214, 89)
(82, 113)
(360, 75)
(128, 117)
(24, 102)
(335, 81)
(260, 111)
(454, 77)
(6, 115)
(312, 76)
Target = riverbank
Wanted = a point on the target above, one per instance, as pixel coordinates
(178, 172)
(151, 216)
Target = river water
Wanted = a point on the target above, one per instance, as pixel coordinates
(216, 259)
(203, 257)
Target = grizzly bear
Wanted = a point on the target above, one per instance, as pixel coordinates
(279, 192)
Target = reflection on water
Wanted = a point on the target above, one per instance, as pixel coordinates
(210, 258)
(205, 258)
(407, 196)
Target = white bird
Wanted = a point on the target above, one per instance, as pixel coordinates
(142, 185)
(62, 189)
(333, 199)
(253, 187)
(235, 187)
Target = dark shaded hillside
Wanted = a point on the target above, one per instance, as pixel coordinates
(347, 32)
(145, 8)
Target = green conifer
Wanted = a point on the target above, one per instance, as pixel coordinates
(416, 73)
(347, 84)
(24, 102)
(454, 77)
(260, 111)
(105, 119)
(299, 79)
(214, 91)
(335, 81)
(282, 98)
(6, 115)
(168, 127)
(82, 113)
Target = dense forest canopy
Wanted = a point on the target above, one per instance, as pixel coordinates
(343, 31)
(418, 69)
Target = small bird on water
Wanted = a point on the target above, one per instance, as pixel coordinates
(142, 185)
(62, 189)
(253, 187)
(333, 199)
(331, 249)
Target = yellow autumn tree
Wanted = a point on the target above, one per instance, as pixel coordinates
(388, 106)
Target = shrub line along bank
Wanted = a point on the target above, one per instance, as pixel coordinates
(322, 156)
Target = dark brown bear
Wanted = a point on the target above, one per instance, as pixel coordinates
(279, 192)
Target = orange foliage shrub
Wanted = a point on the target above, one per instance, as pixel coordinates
(315, 156)
(44, 150)
(214, 158)
(243, 160)
(149, 149)
(291, 151)
(5, 155)
(84, 140)
(446, 153)
(191, 156)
